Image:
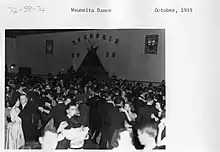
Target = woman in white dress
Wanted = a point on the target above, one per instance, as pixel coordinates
(14, 132)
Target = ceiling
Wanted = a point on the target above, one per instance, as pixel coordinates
(15, 33)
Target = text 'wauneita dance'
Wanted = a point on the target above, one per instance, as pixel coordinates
(88, 10)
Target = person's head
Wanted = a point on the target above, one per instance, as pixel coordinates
(61, 81)
(150, 98)
(60, 99)
(7, 88)
(48, 87)
(97, 91)
(123, 93)
(108, 95)
(67, 100)
(48, 139)
(129, 106)
(66, 92)
(147, 133)
(121, 138)
(58, 89)
(72, 109)
(157, 106)
(118, 100)
(23, 99)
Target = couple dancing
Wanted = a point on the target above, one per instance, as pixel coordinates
(20, 123)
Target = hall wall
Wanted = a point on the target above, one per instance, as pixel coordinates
(130, 61)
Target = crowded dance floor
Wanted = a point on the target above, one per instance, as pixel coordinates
(77, 109)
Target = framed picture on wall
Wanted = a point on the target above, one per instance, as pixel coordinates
(151, 44)
(49, 47)
(113, 54)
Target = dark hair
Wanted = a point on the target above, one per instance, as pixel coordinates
(118, 100)
(59, 97)
(97, 90)
(150, 96)
(107, 94)
(70, 104)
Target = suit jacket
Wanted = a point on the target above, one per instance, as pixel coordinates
(29, 123)
(35, 97)
(84, 114)
(58, 113)
(144, 113)
(95, 119)
(115, 118)
(138, 104)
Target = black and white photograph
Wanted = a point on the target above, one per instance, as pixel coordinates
(85, 89)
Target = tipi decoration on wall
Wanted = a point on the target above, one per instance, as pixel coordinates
(91, 64)
(151, 43)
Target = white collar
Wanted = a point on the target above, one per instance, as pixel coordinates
(24, 105)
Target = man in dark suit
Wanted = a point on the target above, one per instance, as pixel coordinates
(146, 113)
(84, 113)
(103, 106)
(27, 115)
(114, 119)
(58, 112)
(95, 117)
(34, 95)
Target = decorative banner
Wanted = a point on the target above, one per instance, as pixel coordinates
(110, 38)
(49, 47)
(97, 36)
(107, 54)
(113, 54)
(116, 41)
(91, 36)
(104, 37)
(79, 39)
(73, 55)
(74, 42)
(151, 43)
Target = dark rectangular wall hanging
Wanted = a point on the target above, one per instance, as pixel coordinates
(113, 54)
(151, 44)
(49, 46)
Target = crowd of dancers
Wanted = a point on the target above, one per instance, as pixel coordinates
(72, 111)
